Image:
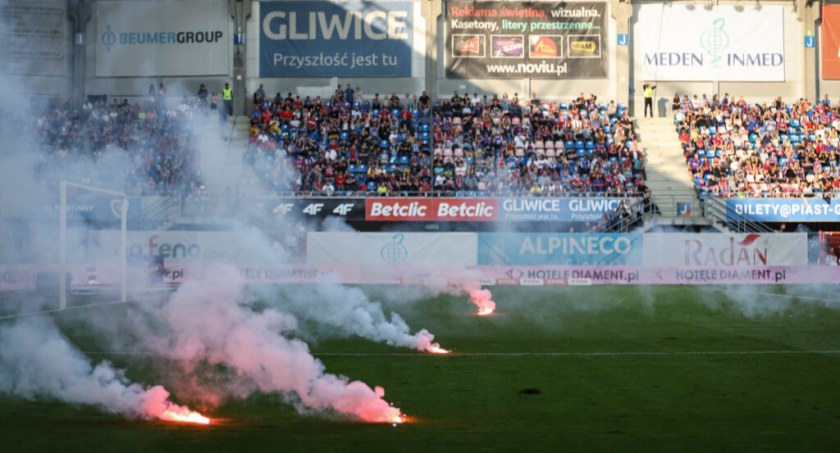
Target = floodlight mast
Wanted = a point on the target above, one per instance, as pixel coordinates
(62, 238)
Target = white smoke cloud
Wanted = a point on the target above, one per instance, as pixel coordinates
(36, 360)
(349, 311)
(205, 324)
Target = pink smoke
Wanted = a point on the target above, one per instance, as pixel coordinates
(37, 360)
(349, 311)
(207, 325)
(483, 300)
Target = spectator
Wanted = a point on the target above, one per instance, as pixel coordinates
(349, 94)
(202, 95)
(227, 99)
(214, 101)
(648, 93)
(259, 95)
(833, 257)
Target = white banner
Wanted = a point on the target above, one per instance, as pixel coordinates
(34, 37)
(162, 38)
(186, 247)
(673, 42)
(725, 250)
(393, 249)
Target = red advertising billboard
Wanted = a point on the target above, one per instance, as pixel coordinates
(431, 210)
(830, 42)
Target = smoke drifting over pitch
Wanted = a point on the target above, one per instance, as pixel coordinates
(204, 323)
(36, 360)
(348, 311)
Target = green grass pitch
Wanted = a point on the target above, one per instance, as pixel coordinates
(556, 369)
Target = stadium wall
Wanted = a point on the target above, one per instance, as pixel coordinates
(37, 49)
(453, 258)
(132, 44)
(426, 61)
(778, 27)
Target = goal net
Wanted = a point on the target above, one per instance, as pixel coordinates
(115, 205)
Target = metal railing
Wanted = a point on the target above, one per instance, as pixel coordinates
(718, 210)
(627, 217)
(158, 210)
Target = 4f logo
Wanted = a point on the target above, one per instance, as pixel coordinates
(313, 208)
(283, 208)
(343, 209)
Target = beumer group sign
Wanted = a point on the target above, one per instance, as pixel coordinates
(162, 38)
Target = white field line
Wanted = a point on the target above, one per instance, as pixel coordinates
(795, 296)
(543, 354)
(59, 310)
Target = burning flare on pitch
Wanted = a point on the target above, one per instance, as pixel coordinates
(436, 349)
(183, 415)
(483, 299)
(424, 342)
(156, 404)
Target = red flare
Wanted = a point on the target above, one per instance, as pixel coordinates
(397, 419)
(436, 349)
(485, 311)
(483, 299)
(183, 415)
(156, 404)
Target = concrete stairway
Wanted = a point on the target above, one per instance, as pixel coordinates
(667, 173)
(222, 146)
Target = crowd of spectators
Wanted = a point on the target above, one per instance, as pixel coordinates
(145, 147)
(738, 149)
(483, 145)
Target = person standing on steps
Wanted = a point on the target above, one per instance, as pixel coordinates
(227, 99)
(648, 90)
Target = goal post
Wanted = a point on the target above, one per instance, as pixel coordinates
(62, 238)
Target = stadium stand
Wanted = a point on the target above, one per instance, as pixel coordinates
(462, 145)
(745, 150)
(141, 148)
